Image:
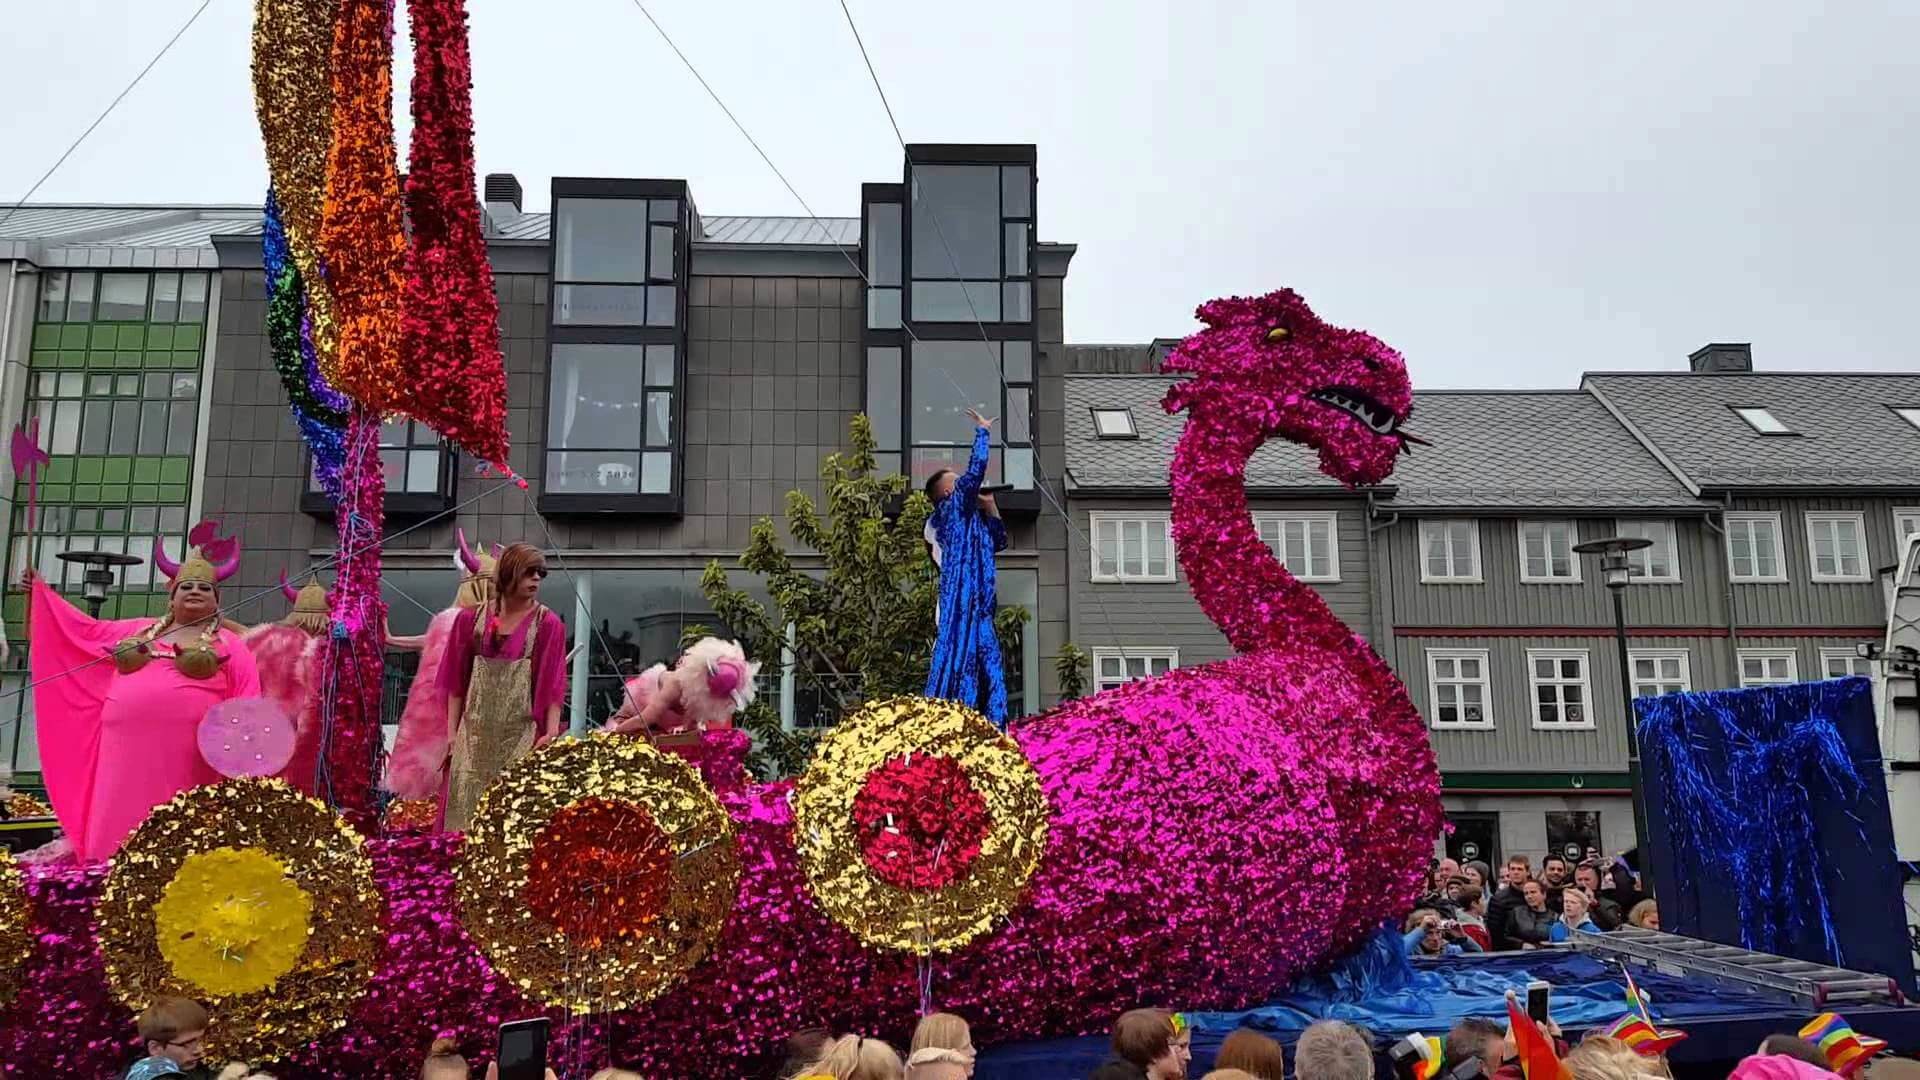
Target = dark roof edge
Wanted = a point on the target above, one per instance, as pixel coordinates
(1748, 374)
(1640, 437)
(1809, 490)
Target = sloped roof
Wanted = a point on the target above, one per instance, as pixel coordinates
(135, 236)
(1491, 450)
(1845, 430)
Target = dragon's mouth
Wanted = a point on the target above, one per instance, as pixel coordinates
(1361, 406)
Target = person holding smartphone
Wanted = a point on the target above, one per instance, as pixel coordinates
(966, 651)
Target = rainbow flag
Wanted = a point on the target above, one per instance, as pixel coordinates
(1537, 1058)
(1846, 1049)
(1432, 1053)
(1645, 1039)
(1636, 999)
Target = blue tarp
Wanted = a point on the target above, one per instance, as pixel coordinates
(1391, 997)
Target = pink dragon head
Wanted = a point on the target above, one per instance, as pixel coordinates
(1270, 361)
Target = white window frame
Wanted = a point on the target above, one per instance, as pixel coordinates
(1779, 548)
(1128, 430)
(1634, 656)
(1573, 557)
(1908, 413)
(1308, 519)
(1585, 683)
(1475, 575)
(1816, 519)
(1904, 515)
(1152, 521)
(1762, 419)
(1101, 683)
(1641, 527)
(1791, 656)
(1850, 657)
(1484, 682)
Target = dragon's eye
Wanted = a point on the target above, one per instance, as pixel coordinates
(1279, 333)
(1372, 364)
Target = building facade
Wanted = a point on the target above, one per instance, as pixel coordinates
(1772, 500)
(671, 377)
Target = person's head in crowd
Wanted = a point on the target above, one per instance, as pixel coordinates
(1252, 1054)
(1535, 894)
(1475, 1039)
(1574, 905)
(1603, 1058)
(175, 1029)
(1645, 915)
(943, 1031)
(1471, 901)
(1554, 870)
(239, 1070)
(937, 1063)
(616, 1074)
(1518, 869)
(804, 1047)
(1793, 1046)
(1478, 873)
(1778, 1067)
(444, 1062)
(1231, 1074)
(1154, 1041)
(1587, 876)
(1444, 871)
(856, 1057)
(1332, 1050)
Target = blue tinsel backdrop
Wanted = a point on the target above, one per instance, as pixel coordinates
(1769, 822)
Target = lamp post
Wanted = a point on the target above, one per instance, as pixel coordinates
(1614, 572)
(100, 575)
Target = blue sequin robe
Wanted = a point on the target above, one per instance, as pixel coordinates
(966, 650)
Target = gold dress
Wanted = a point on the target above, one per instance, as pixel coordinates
(496, 724)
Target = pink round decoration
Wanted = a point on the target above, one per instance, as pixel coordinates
(247, 737)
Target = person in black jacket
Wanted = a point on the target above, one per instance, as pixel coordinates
(1531, 924)
(1555, 875)
(1605, 912)
(1516, 871)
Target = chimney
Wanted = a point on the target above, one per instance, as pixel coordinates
(1721, 357)
(500, 196)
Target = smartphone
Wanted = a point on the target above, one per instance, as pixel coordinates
(1537, 1004)
(995, 489)
(523, 1049)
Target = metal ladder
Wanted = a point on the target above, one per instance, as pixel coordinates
(1814, 986)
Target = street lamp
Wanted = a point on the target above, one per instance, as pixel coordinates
(1615, 573)
(100, 575)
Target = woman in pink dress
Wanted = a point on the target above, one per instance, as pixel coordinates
(417, 767)
(505, 679)
(118, 703)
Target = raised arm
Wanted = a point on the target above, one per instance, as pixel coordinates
(966, 487)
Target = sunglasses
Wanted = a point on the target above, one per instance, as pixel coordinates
(540, 572)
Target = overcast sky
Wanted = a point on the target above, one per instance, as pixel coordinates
(1510, 194)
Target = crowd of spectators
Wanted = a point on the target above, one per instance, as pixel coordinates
(1528, 910)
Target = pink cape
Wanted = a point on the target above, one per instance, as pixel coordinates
(113, 746)
(286, 657)
(420, 748)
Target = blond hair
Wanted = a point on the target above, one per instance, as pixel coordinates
(1603, 1058)
(1229, 1074)
(240, 1070)
(444, 1062)
(942, 1031)
(1332, 1050)
(856, 1057)
(617, 1074)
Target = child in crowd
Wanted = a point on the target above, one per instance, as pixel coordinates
(174, 1031)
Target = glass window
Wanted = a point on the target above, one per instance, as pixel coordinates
(1450, 551)
(1837, 543)
(956, 222)
(1753, 547)
(123, 297)
(1574, 835)
(948, 378)
(1016, 191)
(1306, 544)
(1661, 562)
(660, 253)
(667, 210)
(600, 240)
(1762, 420)
(1457, 684)
(1016, 302)
(166, 298)
(1561, 695)
(124, 436)
(1546, 552)
(1114, 424)
(1844, 663)
(1656, 672)
(193, 297)
(662, 305)
(660, 418)
(581, 472)
(956, 301)
(593, 394)
(883, 395)
(1768, 667)
(1016, 254)
(80, 297)
(883, 309)
(660, 365)
(656, 474)
(1117, 667)
(181, 423)
(53, 296)
(1019, 467)
(883, 244)
(1019, 415)
(1017, 359)
(600, 305)
(1131, 547)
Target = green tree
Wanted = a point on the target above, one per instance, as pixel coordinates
(1070, 670)
(861, 625)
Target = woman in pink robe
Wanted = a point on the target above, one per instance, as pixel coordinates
(113, 746)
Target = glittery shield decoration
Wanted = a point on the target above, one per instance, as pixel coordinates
(249, 863)
(597, 872)
(894, 791)
(232, 922)
(16, 934)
